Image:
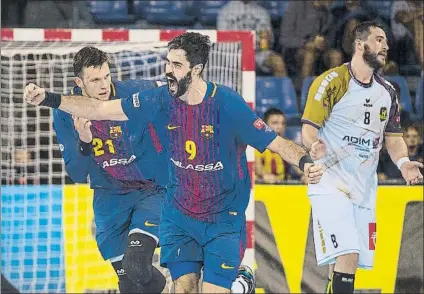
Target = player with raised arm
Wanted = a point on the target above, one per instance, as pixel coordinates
(349, 111)
(117, 156)
(208, 127)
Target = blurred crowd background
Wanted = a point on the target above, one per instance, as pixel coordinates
(296, 41)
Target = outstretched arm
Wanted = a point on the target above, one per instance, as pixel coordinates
(398, 152)
(287, 149)
(80, 106)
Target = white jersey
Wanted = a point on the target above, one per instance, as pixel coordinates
(352, 119)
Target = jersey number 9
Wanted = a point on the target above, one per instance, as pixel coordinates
(190, 148)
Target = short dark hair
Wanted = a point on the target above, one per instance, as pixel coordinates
(87, 57)
(273, 111)
(414, 126)
(196, 46)
(362, 31)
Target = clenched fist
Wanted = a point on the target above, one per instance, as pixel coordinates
(82, 126)
(313, 173)
(33, 94)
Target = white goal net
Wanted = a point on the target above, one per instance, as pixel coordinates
(47, 233)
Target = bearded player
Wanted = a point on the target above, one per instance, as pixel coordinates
(208, 127)
(349, 111)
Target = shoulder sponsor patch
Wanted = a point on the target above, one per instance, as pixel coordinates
(259, 124)
(136, 100)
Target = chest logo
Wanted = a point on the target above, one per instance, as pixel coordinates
(115, 132)
(207, 131)
(383, 113)
(169, 127)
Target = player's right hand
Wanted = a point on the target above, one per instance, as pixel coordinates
(313, 172)
(33, 94)
(318, 150)
(82, 125)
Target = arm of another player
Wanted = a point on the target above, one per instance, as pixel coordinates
(324, 92)
(76, 164)
(80, 106)
(253, 131)
(296, 155)
(397, 148)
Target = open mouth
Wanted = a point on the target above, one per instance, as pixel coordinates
(172, 85)
(103, 93)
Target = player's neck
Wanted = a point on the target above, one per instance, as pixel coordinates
(361, 70)
(196, 92)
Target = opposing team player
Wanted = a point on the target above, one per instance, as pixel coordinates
(208, 127)
(117, 156)
(349, 111)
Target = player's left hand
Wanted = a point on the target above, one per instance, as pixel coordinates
(313, 173)
(411, 173)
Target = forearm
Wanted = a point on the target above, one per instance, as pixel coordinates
(77, 169)
(288, 150)
(396, 147)
(93, 109)
(309, 136)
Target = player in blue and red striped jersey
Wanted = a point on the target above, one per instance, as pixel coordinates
(117, 156)
(208, 127)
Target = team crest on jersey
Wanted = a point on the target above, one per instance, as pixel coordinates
(207, 131)
(115, 132)
(383, 113)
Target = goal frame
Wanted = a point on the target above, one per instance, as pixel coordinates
(248, 76)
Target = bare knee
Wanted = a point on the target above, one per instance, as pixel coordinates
(347, 263)
(187, 284)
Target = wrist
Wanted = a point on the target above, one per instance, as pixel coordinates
(305, 159)
(84, 147)
(401, 161)
(84, 139)
(52, 100)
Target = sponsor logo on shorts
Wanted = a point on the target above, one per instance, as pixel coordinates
(224, 266)
(321, 236)
(61, 147)
(347, 280)
(120, 272)
(148, 224)
(135, 243)
(372, 239)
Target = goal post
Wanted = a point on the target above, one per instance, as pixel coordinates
(47, 232)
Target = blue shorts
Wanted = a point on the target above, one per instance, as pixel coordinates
(187, 244)
(116, 215)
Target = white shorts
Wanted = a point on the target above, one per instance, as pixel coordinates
(341, 227)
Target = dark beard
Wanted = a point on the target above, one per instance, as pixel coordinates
(371, 58)
(182, 85)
